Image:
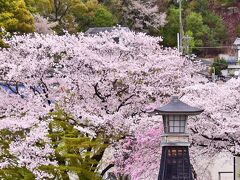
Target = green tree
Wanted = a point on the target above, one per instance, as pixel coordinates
(62, 8)
(102, 17)
(216, 30)
(94, 15)
(194, 23)
(15, 17)
(73, 15)
(76, 152)
(170, 30)
(114, 6)
(198, 6)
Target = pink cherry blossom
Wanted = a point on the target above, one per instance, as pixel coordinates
(100, 82)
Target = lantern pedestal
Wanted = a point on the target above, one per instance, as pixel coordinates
(175, 163)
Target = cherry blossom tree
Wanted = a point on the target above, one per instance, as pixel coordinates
(217, 128)
(143, 15)
(104, 84)
(42, 25)
(139, 156)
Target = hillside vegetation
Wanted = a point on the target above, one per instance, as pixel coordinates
(208, 23)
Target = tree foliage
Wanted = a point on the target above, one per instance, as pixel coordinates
(212, 31)
(16, 173)
(194, 24)
(15, 17)
(42, 7)
(2, 35)
(73, 15)
(142, 15)
(170, 30)
(94, 14)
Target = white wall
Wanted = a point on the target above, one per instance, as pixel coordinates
(222, 163)
(208, 168)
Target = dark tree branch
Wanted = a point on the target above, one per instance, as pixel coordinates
(56, 3)
(124, 102)
(98, 94)
(231, 142)
(106, 169)
(35, 90)
(45, 91)
(194, 172)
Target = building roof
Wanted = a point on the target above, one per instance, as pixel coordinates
(175, 106)
(234, 66)
(97, 30)
(237, 42)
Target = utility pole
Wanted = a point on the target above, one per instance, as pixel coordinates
(181, 27)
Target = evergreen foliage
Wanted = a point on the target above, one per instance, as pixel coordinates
(12, 172)
(75, 152)
(16, 173)
(216, 32)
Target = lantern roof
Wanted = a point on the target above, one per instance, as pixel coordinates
(96, 30)
(237, 42)
(175, 106)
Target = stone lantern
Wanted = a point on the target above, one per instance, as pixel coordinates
(237, 47)
(175, 161)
